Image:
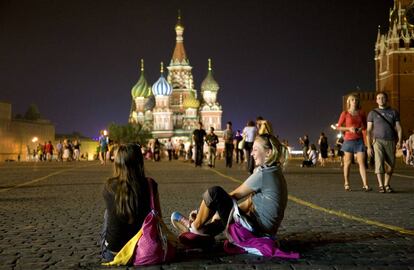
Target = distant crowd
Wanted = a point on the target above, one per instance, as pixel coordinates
(65, 150)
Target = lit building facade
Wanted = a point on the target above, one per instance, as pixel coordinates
(171, 106)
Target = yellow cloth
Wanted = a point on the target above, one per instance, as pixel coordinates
(124, 255)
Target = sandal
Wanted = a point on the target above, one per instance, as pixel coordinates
(366, 189)
(388, 189)
(381, 189)
(347, 188)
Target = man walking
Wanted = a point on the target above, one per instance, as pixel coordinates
(169, 146)
(198, 137)
(228, 137)
(384, 135)
(212, 141)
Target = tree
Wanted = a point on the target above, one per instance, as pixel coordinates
(32, 113)
(128, 133)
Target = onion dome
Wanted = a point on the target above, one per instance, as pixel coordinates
(209, 84)
(161, 87)
(141, 88)
(191, 102)
(150, 103)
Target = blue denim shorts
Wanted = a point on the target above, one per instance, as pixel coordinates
(353, 146)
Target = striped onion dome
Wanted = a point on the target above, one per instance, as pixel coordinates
(191, 102)
(141, 88)
(161, 87)
(209, 84)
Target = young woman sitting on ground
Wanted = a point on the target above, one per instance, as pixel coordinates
(263, 196)
(127, 200)
(313, 157)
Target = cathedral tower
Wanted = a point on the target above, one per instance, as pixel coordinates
(140, 93)
(210, 109)
(180, 77)
(162, 114)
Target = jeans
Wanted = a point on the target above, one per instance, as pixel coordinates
(250, 161)
(212, 156)
(229, 154)
(199, 154)
(239, 155)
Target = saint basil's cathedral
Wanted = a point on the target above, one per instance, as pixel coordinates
(170, 108)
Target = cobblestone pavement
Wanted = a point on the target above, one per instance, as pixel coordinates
(51, 215)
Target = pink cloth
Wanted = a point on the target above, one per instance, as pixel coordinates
(263, 246)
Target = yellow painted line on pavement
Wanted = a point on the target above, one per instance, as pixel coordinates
(333, 212)
(403, 175)
(351, 217)
(43, 178)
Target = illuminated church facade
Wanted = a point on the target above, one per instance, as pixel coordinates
(171, 108)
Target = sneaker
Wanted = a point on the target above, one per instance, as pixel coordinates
(180, 222)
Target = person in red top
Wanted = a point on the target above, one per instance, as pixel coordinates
(353, 122)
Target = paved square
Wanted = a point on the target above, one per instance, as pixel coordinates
(51, 215)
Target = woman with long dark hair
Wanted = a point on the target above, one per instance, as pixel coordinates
(127, 199)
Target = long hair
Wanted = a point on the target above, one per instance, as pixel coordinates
(280, 152)
(132, 184)
(348, 101)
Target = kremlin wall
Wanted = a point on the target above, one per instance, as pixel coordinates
(17, 134)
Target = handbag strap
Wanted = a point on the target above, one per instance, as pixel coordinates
(385, 119)
(152, 195)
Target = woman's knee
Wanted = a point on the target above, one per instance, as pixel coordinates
(212, 193)
(215, 196)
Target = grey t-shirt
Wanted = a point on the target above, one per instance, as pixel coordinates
(270, 197)
(381, 129)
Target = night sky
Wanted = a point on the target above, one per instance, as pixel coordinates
(289, 61)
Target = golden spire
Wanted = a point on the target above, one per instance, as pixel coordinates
(179, 25)
(209, 64)
(162, 68)
(142, 64)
